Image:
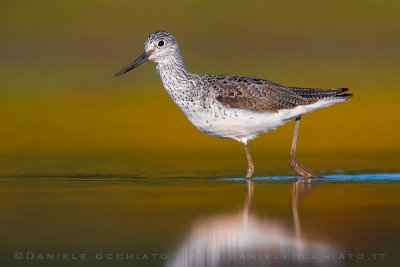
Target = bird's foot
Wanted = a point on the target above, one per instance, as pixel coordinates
(250, 171)
(301, 169)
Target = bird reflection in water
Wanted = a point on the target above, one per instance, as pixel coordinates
(243, 239)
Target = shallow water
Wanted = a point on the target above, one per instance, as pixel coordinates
(341, 220)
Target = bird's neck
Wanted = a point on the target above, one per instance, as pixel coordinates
(173, 73)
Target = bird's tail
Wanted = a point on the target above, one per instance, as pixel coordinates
(318, 94)
(340, 94)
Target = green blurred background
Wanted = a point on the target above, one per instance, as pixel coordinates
(62, 111)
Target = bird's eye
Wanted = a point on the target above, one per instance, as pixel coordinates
(160, 43)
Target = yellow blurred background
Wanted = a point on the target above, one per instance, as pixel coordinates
(58, 94)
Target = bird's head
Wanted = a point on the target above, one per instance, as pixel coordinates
(159, 47)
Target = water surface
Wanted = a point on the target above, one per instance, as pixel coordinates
(342, 220)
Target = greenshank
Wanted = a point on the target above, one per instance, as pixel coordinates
(230, 106)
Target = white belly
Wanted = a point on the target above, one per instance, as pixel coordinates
(243, 125)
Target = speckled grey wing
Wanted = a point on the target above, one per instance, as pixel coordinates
(264, 96)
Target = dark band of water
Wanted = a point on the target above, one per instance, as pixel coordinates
(333, 177)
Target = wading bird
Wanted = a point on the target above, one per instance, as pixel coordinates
(228, 106)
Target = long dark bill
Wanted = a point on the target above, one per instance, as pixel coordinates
(142, 59)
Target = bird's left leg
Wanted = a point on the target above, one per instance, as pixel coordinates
(250, 165)
(294, 162)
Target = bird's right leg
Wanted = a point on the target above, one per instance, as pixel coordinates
(294, 162)
(250, 165)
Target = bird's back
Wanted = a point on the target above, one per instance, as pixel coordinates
(259, 95)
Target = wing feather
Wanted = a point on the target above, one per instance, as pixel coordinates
(264, 96)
